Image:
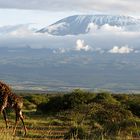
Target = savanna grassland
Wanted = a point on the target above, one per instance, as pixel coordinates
(77, 115)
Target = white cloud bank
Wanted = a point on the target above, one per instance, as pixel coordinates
(93, 28)
(20, 30)
(80, 45)
(22, 36)
(55, 27)
(121, 50)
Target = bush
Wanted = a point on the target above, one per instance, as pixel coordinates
(123, 98)
(37, 98)
(53, 105)
(28, 105)
(105, 98)
(67, 101)
(110, 116)
(76, 98)
(134, 106)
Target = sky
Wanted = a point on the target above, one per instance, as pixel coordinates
(45, 12)
(42, 13)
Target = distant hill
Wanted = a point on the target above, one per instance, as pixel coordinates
(49, 69)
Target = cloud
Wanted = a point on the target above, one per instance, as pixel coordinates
(55, 27)
(121, 50)
(60, 51)
(109, 28)
(83, 42)
(93, 28)
(80, 45)
(21, 36)
(121, 6)
(20, 30)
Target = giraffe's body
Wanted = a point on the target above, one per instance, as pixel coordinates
(10, 100)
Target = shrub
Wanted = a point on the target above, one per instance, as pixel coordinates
(110, 116)
(76, 98)
(123, 98)
(67, 101)
(105, 98)
(37, 98)
(28, 105)
(53, 105)
(134, 106)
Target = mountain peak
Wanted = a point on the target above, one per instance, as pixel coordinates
(77, 24)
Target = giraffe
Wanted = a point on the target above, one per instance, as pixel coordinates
(10, 100)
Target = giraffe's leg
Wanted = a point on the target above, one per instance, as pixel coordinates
(5, 117)
(3, 105)
(1, 109)
(21, 117)
(16, 122)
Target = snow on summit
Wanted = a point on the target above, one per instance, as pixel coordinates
(78, 24)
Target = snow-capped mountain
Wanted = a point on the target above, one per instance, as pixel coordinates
(78, 24)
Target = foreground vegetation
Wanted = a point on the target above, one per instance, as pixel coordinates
(78, 115)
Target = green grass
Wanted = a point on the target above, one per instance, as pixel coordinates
(6, 134)
(82, 117)
(39, 127)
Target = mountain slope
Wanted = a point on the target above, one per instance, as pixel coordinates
(78, 24)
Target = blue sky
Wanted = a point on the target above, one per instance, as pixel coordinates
(45, 12)
(21, 16)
